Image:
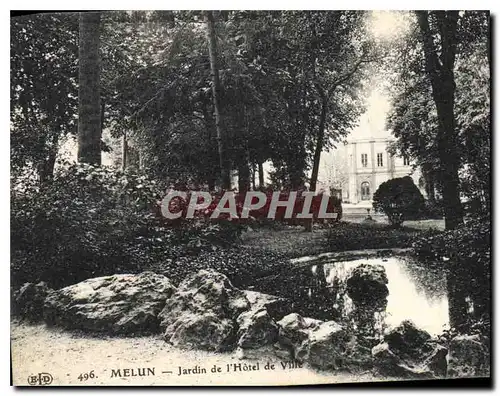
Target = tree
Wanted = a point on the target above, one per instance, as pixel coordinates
(399, 199)
(335, 170)
(339, 54)
(440, 47)
(43, 100)
(89, 98)
(268, 105)
(414, 117)
(212, 46)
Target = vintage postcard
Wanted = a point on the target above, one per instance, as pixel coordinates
(250, 197)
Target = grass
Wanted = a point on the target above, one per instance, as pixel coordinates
(295, 242)
(290, 241)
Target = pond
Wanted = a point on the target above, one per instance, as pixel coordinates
(318, 290)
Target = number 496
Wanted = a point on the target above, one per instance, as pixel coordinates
(86, 376)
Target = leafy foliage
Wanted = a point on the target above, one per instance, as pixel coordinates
(466, 254)
(414, 121)
(92, 221)
(400, 199)
(43, 96)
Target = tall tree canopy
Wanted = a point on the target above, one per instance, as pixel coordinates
(89, 90)
(441, 106)
(291, 85)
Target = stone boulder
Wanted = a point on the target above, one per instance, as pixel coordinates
(28, 301)
(205, 331)
(202, 312)
(468, 357)
(256, 329)
(410, 352)
(293, 335)
(328, 346)
(367, 284)
(277, 307)
(406, 336)
(116, 304)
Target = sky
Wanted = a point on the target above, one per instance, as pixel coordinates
(372, 122)
(385, 25)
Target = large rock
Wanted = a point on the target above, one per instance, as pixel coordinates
(406, 337)
(328, 346)
(367, 284)
(293, 335)
(468, 357)
(28, 301)
(201, 331)
(277, 307)
(117, 304)
(256, 329)
(202, 312)
(323, 345)
(409, 352)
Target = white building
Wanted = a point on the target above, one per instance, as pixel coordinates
(370, 165)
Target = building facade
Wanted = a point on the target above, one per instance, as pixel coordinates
(370, 164)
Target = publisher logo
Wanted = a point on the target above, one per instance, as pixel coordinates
(40, 379)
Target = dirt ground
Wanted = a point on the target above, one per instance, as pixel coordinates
(65, 355)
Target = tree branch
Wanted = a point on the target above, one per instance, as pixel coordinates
(431, 60)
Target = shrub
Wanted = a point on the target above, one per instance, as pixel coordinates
(92, 221)
(434, 210)
(79, 225)
(399, 199)
(466, 253)
(472, 240)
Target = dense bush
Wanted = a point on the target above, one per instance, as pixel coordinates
(400, 199)
(466, 254)
(433, 210)
(90, 221)
(353, 236)
(470, 241)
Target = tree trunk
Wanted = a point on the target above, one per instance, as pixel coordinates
(244, 161)
(212, 47)
(89, 98)
(124, 150)
(243, 176)
(261, 175)
(447, 148)
(212, 168)
(443, 92)
(319, 144)
(46, 168)
(457, 306)
(253, 177)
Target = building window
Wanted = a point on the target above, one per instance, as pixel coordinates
(364, 160)
(380, 159)
(406, 161)
(365, 191)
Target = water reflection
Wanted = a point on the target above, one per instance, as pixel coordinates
(415, 292)
(319, 291)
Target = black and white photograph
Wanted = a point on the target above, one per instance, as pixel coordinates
(250, 197)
